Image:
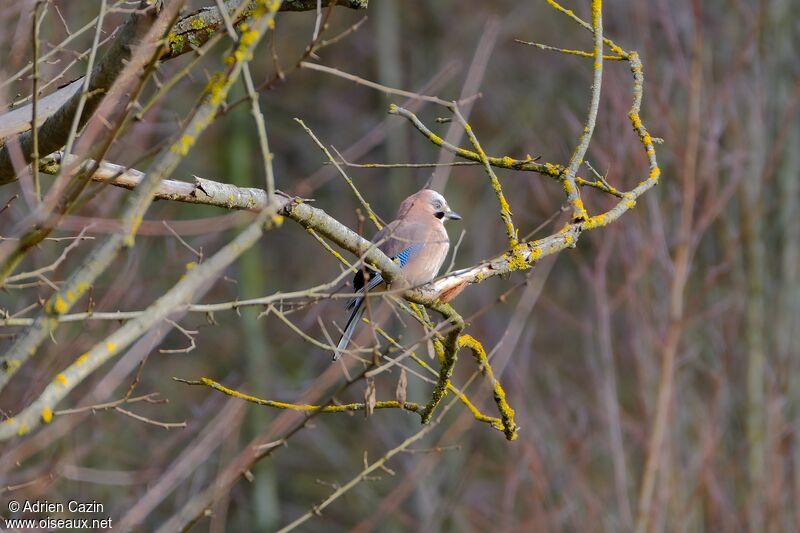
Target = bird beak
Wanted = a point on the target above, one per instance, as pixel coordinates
(452, 215)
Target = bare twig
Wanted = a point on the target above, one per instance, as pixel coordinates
(370, 213)
(37, 22)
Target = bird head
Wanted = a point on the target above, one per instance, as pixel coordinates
(428, 202)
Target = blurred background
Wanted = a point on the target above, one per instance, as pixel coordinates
(699, 284)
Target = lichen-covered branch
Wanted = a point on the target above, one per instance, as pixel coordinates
(505, 423)
(332, 408)
(509, 426)
(505, 208)
(196, 28)
(530, 164)
(568, 180)
(447, 361)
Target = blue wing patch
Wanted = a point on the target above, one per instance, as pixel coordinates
(404, 256)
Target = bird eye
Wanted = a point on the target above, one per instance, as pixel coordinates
(437, 204)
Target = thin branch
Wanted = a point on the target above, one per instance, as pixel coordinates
(370, 213)
(379, 464)
(505, 209)
(37, 23)
(336, 408)
(378, 86)
(83, 96)
(581, 53)
(261, 128)
(568, 179)
(51, 267)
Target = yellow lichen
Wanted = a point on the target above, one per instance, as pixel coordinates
(111, 347)
(217, 88)
(47, 415)
(248, 37)
(516, 261)
(595, 221)
(197, 23)
(190, 265)
(176, 42)
(655, 173)
(506, 422)
(183, 145)
(436, 139)
(82, 359)
(62, 379)
(552, 169)
(60, 306)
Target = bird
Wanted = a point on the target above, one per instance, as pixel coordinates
(416, 239)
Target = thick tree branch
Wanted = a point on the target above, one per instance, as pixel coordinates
(196, 29)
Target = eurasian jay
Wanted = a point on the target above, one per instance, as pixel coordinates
(416, 240)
